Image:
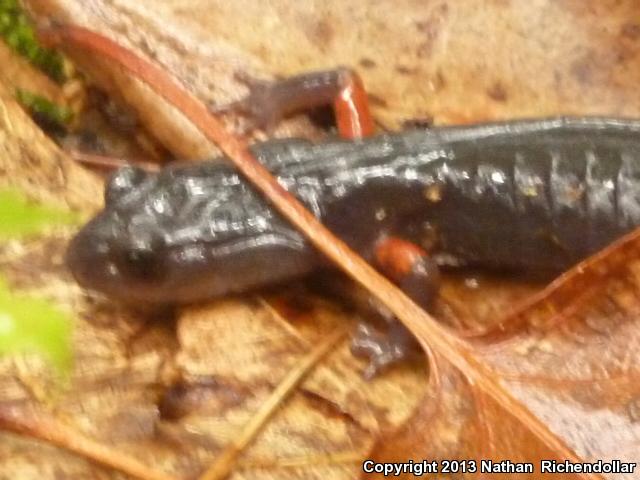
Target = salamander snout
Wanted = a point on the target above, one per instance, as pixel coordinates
(106, 257)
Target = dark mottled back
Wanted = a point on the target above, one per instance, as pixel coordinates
(528, 195)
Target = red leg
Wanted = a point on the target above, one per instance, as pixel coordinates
(411, 268)
(268, 102)
(351, 108)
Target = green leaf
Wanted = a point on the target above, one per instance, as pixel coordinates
(29, 324)
(20, 218)
(33, 325)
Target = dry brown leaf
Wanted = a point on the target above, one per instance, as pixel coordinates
(333, 412)
(441, 60)
(574, 365)
(452, 61)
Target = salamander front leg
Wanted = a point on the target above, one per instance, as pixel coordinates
(269, 102)
(416, 273)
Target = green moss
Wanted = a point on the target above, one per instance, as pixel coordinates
(43, 108)
(20, 35)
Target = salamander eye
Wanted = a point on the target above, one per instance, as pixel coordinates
(122, 181)
(142, 262)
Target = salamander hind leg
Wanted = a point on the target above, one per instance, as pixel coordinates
(269, 102)
(381, 348)
(417, 274)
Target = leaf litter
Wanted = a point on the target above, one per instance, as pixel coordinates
(455, 394)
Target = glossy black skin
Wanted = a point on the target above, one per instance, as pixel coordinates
(533, 195)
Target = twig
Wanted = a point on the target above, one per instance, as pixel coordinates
(110, 163)
(47, 428)
(225, 462)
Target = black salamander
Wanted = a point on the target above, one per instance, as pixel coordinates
(536, 195)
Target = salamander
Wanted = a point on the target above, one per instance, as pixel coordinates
(528, 195)
(525, 195)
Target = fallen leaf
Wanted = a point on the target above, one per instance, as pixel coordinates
(572, 361)
(441, 61)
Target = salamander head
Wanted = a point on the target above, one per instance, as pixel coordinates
(188, 233)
